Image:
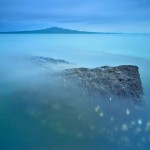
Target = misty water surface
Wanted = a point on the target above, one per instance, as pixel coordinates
(38, 113)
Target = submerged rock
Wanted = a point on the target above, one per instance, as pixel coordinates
(42, 60)
(50, 64)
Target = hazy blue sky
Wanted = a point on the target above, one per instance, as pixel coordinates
(94, 15)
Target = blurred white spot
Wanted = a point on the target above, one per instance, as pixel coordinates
(147, 128)
(124, 127)
(133, 123)
(101, 114)
(79, 117)
(127, 111)
(56, 106)
(137, 130)
(148, 124)
(97, 108)
(92, 127)
(79, 135)
(111, 119)
(139, 121)
(125, 139)
(143, 139)
(110, 99)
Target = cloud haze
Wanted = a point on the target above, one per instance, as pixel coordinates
(96, 15)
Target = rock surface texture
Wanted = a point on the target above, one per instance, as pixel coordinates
(111, 82)
(121, 82)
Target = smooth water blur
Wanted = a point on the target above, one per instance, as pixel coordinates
(36, 113)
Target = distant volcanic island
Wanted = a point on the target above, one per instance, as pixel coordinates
(52, 30)
(122, 82)
(55, 30)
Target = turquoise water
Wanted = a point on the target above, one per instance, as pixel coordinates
(77, 45)
(37, 114)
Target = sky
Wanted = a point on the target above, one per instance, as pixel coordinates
(87, 15)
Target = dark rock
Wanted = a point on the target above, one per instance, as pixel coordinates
(111, 82)
(42, 60)
(49, 64)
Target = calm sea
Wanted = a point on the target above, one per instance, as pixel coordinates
(37, 114)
